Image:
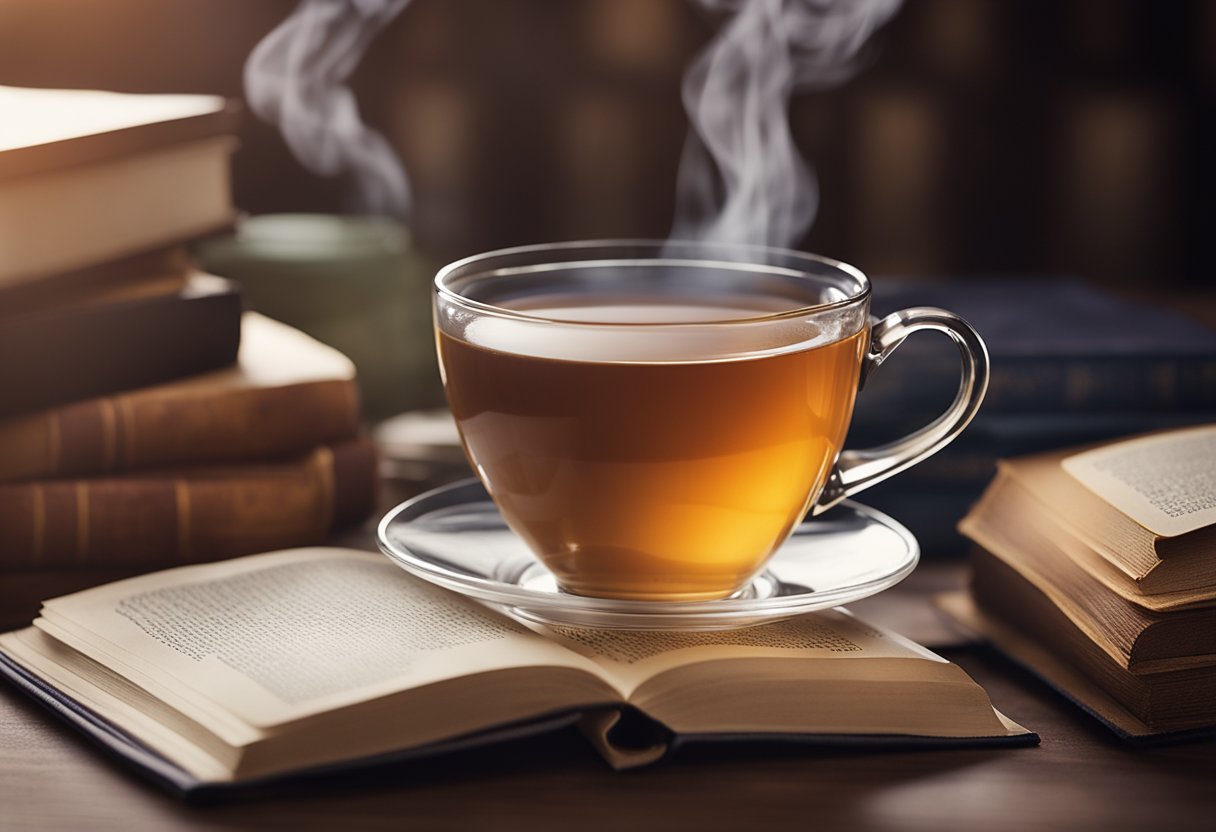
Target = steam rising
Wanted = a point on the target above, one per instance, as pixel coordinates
(741, 178)
(296, 79)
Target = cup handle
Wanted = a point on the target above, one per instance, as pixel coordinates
(858, 470)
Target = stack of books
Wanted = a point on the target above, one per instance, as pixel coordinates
(145, 418)
(1094, 568)
(1071, 364)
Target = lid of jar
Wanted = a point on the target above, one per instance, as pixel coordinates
(310, 238)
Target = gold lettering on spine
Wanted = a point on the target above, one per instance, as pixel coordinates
(39, 541)
(182, 490)
(109, 450)
(53, 441)
(324, 460)
(123, 433)
(82, 519)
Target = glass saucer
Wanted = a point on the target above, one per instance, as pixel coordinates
(454, 537)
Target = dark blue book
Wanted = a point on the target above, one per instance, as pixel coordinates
(970, 460)
(1055, 344)
(931, 497)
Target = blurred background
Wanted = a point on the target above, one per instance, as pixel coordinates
(1045, 168)
(1051, 159)
(1043, 136)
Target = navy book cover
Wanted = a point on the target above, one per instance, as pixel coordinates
(1055, 345)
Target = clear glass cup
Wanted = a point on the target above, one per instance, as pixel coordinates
(654, 419)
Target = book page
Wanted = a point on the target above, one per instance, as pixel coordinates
(277, 637)
(1165, 482)
(629, 658)
(58, 665)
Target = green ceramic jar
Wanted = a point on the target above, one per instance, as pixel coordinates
(354, 282)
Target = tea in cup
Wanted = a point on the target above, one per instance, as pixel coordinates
(654, 419)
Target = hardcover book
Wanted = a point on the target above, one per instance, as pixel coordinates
(158, 272)
(1157, 562)
(1093, 568)
(286, 394)
(1056, 345)
(1134, 708)
(65, 354)
(188, 514)
(91, 176)
(235, 673)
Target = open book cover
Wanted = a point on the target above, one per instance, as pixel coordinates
(233, 674)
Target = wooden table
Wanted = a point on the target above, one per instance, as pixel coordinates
(1079, 778)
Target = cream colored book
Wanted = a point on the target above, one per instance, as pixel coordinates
(310, 659)
(88, 176)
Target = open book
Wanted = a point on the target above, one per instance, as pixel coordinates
(312, 658)
(1146, 505)
(1093, 568)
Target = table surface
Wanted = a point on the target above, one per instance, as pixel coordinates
(1080, 777)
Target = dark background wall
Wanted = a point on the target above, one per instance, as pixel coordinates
(981, 136)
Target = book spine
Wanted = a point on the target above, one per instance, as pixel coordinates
(54, 359)
(189, 515)
(1020, 385)
(150, 429)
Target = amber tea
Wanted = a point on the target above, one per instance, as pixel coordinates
(654, 418)
(644, 467)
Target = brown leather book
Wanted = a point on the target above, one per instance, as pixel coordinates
(286, 394)
(187, 515)
(82, 351)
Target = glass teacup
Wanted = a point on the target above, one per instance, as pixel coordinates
(654, 419)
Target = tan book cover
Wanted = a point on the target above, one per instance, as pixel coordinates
(45, 130)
